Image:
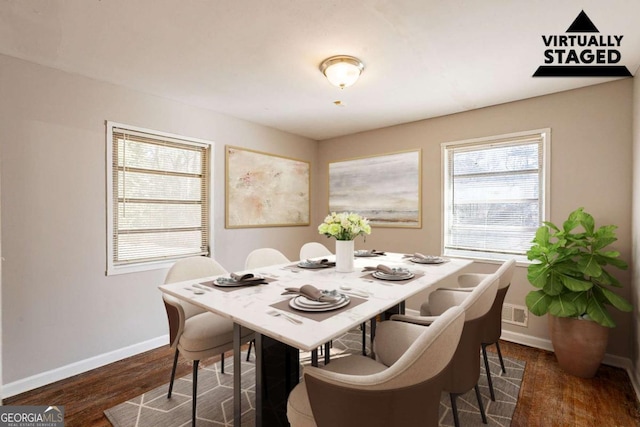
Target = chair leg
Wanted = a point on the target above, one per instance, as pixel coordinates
(364, 338)
(194, 392)
(504, 371)
(454, 409)
(222, 363)
(249, 351)
(480, 404)
(488, 372)
(173, 373)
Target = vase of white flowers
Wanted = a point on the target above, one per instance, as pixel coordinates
(345, 227)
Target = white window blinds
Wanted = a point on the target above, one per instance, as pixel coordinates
(494, 195)
(160, 197)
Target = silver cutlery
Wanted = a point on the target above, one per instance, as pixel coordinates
(276, 313)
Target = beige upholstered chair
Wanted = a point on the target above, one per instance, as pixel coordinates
(313, 250)
(194, 332)
(401, 387)
(465, 366)
(264, 257)
(493, 329)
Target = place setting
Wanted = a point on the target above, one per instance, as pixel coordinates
(419, 258)
(235, 281)
(394, 274)
(313, 264)
(317, 304)
(366, 253)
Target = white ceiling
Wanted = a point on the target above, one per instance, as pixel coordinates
(258, 59)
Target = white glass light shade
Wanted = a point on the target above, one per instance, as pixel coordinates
(342, 71)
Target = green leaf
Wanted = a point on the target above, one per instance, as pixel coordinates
(599, 314)
(551, 225)
(607, 279)
(615, 300)
(589, 265)
(586, 220)
(542, 237)
(538, 302)
(563, 306)
(537, 275)
(553, 286)
(580, 299)
(575, 284)
(611, 257)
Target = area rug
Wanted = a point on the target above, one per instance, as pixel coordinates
(215, 395)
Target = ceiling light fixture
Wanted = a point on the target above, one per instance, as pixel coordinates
(342, 70)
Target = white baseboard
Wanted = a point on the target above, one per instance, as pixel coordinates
(44, 378)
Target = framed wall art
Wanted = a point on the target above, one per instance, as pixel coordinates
(384, 188)
(265, 190)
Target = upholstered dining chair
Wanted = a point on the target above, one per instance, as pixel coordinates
(401, 387)
(465, 366)
(264, 257)
(493, 328)
(194, 332)
(313, 250)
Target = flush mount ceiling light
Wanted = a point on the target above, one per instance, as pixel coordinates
(342, 71)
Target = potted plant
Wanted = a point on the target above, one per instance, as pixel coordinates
(575, 288)
(344, 226)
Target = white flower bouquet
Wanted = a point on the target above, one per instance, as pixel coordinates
(344, 226)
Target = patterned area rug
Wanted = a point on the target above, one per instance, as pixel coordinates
(215, 395)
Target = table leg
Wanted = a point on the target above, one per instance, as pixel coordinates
(237, 404)
(277, 373)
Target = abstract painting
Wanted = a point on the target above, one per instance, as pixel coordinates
(265, 190)
(385, 188)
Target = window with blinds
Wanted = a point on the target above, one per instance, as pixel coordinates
(495, 192)
(158, 196)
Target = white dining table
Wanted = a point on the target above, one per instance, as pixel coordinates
(253, 306)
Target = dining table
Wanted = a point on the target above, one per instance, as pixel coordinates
(283, 328)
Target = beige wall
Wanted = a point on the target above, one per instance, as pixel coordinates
(590, 167)
(58, 307)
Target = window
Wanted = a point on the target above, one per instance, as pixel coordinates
(158, 198)
(495, 194)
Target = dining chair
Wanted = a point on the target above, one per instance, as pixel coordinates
(465, 366)
(264, 257)
(313, 250)
(401, 387)
(493, 329)
(194, 332)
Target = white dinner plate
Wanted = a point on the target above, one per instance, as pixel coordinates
(306, 302)
(364, 253)
(428, 260)
(384, 276)
(296, 305)
(312, 265)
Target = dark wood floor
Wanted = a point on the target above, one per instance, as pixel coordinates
(548, 397)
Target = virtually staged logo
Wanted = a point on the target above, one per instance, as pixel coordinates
(582, 52)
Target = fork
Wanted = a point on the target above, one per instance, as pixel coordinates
(276, 313)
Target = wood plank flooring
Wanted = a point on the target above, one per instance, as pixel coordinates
(548, 397)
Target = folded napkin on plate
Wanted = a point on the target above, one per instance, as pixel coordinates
(373, 252)
(387, 270)
(319, 262)
(313, 293)
(246, 278)
(418, 255)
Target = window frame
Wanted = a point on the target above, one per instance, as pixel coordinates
(544, 176)
(112, 267)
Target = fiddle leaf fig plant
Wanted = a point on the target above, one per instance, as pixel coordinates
(570, 273)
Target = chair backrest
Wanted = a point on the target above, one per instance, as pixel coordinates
(264, 257)
(493, 329)
(465, 364)
(407, 393)
(179, 311)
(313, 250)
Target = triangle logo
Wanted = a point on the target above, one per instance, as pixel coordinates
(582, 24)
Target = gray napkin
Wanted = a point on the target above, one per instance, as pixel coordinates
(383, 269)
(246, 278)
(319, 262)
(417, 255)
(312, 293)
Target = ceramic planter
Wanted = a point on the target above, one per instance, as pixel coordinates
(579, 344)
